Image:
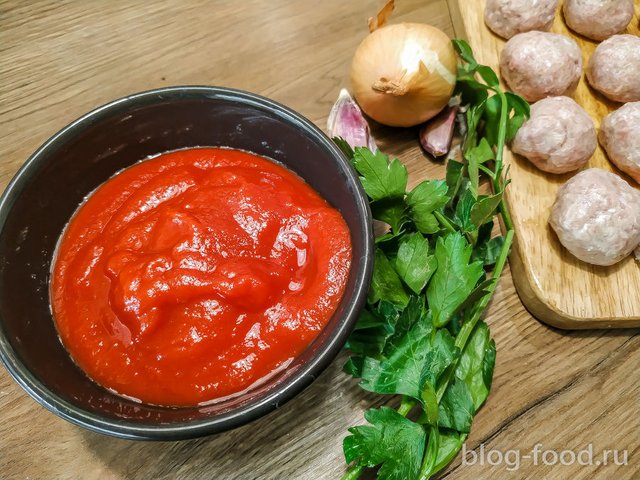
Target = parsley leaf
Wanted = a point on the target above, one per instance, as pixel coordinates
(517, 113)
(380, 178)
(454, 278)
(387, 238)
(412, 313)
(413, 262)
(456, 408)
(442, 354)
(472, 93)
(372, 330)
(484, 208)
(391, 440)
(462, 215)
(403, 372)
(423, 200)
(416, 363)
(489, 251)
(476, 364)
(492, 116)
(481, 153)
(521, 111)
(344, 146)
(476, 156)
(385, 283)
(463, 49)
(488, 75)
(391, 212)
(454, 178)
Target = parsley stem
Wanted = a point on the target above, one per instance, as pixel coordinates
(427, 474)
(497, 177)
(428, 461)
(502, 130)
(406, 405)
(353, 473)
(486, 171)
(444, 222)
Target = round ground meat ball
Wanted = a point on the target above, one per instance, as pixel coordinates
(597, 217)
(597, 19)
(508, 17)
(558, 137)
(541, 64)
(620, 137)
(614, 68)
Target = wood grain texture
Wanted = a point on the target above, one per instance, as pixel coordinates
(60, 59)
(554, 285)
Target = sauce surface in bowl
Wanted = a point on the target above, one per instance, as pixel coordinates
(193, 275)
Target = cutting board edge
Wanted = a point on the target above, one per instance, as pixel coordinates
(534, 301)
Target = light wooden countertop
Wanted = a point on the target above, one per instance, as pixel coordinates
(58, 60)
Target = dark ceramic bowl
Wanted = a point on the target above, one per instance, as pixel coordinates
(49, 187)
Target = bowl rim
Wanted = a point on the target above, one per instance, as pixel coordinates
(252, 410)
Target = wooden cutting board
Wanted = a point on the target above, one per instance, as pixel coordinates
(555, 286)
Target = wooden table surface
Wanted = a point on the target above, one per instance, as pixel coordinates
(58, 60)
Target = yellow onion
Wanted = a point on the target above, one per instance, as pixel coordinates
(403, 74)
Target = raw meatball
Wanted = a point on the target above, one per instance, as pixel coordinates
(614, 68)
(541, 64)
(620, 137)
(508, 17)
(598, 19)
(558, 137)
(597, 217)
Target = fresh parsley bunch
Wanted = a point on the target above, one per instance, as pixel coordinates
(420, 335)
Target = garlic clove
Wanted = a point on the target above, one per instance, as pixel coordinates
(347, 121)
(436, 134)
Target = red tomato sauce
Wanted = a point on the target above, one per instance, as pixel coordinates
(192, 275)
